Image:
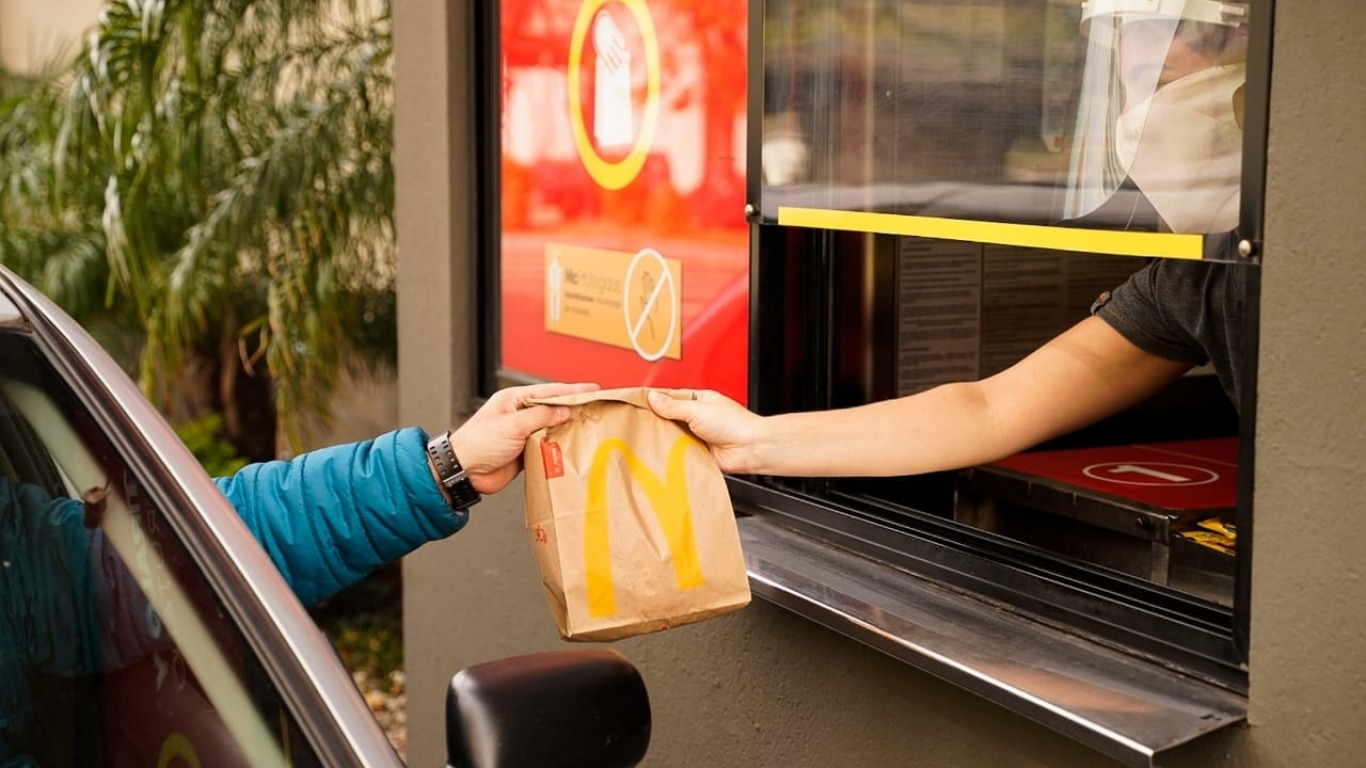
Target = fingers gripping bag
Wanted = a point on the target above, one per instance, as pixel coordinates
(629, 519)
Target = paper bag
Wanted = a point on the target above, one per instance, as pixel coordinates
(630, 520)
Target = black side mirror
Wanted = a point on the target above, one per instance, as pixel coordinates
(581, 708)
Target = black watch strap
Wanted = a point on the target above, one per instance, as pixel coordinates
(452, 475)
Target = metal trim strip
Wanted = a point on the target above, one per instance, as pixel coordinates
(1127, 708)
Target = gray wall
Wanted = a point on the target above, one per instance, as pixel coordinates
(1309, 585)
(764, 688)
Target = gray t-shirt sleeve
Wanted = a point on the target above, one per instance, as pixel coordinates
(1153, 309)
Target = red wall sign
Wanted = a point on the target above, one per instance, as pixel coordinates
(624, 243)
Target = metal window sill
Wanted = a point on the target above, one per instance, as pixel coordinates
(1124, 707)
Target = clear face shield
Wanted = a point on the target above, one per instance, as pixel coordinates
(1161, 106)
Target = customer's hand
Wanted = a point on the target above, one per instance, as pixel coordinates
(489, 444)
(733, 431)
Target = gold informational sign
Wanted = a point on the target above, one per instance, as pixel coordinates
(628, 300)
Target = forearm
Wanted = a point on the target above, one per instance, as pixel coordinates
(1085, 374)
(329, 517)
(944, 428)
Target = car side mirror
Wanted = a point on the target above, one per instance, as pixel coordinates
(559, 709)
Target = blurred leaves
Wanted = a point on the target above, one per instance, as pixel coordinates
(204, 438)
(214, 176)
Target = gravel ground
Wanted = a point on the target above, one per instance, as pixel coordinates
(387, 699)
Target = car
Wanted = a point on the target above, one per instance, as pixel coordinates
(142, 624)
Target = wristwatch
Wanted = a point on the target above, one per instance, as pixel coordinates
(452, 475)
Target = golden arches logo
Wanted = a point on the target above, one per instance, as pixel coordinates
(177, 748)
(614, 175)
(669, 500)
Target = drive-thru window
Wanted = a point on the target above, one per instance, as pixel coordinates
(826, 203)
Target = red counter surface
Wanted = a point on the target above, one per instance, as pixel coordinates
(1184, 475)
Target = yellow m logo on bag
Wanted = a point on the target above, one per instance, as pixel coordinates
(669, 500)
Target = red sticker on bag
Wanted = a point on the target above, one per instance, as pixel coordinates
(553, 459)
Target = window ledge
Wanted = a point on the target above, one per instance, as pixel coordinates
(1118, 704)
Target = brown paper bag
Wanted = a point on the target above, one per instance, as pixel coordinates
(630, 520)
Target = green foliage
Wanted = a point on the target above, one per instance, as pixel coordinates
(204, 438)
(217, 175)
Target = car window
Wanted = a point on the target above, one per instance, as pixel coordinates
(114, 647)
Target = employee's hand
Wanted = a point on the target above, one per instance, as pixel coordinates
(489, 444)
(733, 431)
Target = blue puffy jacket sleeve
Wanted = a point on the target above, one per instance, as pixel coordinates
(330, 517)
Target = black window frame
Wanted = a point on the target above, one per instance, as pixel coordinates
(1153, 622)
(1168, 627)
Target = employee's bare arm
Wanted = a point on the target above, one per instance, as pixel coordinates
(1083, 375)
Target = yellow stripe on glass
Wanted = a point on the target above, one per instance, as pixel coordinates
(1155, 244)
(669, 500)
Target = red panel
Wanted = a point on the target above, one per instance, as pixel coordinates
(596, 158)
